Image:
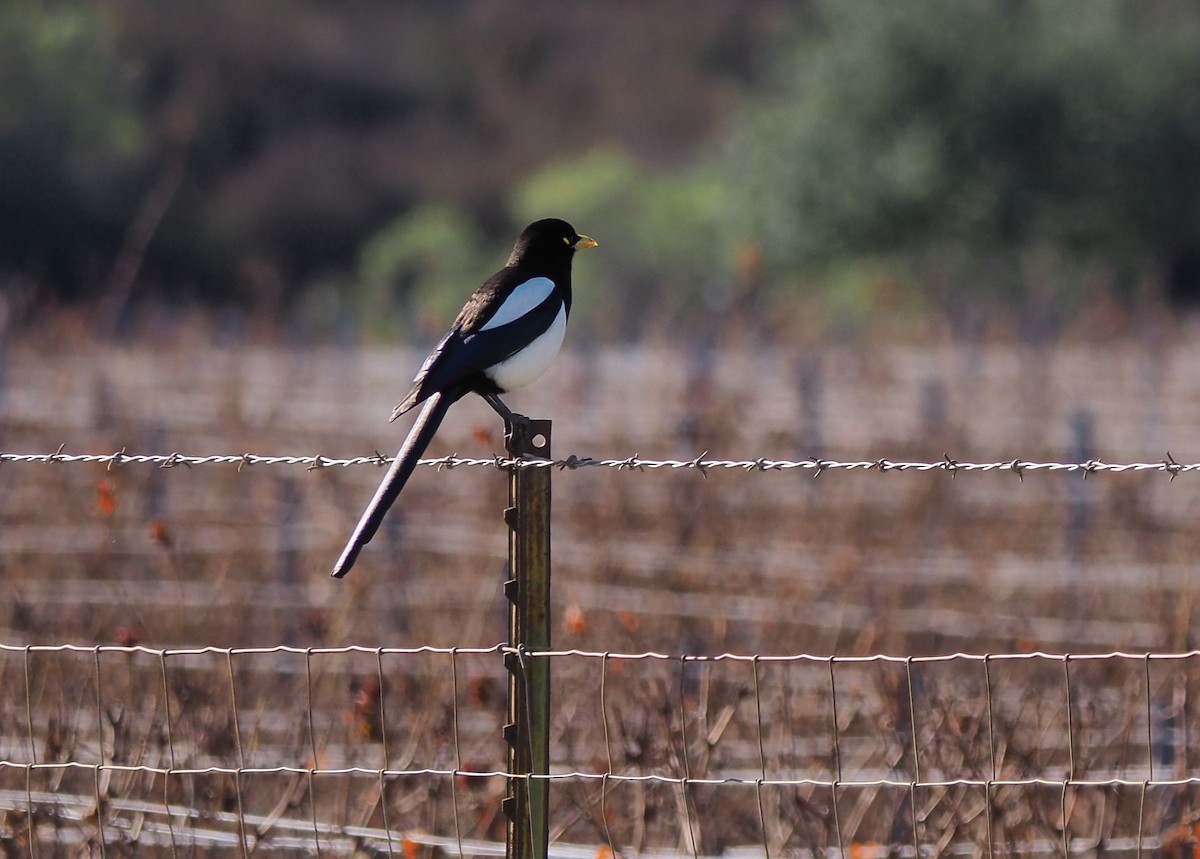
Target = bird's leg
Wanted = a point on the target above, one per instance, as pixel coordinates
(502, 410)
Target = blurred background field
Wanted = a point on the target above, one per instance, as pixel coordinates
(848, 231)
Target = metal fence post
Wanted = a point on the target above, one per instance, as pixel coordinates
(528, 591)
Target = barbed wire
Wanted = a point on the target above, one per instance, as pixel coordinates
(635, 462)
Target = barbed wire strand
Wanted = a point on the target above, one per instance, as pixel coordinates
(701, 464)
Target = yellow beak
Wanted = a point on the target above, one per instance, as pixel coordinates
(586, 242)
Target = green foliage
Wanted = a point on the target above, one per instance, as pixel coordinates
(60, 79)
(70, 138)
(996, 127)
(660, 233)
(422, 267)
(659, 236)
(306, 127)
(969, 144)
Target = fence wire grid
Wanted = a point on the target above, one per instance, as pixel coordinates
(279, 750)
(270, 749)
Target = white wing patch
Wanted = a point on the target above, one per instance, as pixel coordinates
(520, 301)
(526, 365)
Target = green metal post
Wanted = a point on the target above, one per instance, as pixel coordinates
(528, 591)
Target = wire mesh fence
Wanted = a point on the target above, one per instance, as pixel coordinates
(381, 749)
(395, 750)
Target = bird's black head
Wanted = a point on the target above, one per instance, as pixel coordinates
(549, 240)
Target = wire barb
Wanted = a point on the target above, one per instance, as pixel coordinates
(1171, 466)
(632, 463)
(175, 459)
(117, 458)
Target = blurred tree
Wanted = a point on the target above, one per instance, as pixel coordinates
(427, 262)
(969, 138)
(663, 228)
(69, 135)
(308, 126)
(668, 252)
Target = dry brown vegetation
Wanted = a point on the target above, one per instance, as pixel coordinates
(847, 564)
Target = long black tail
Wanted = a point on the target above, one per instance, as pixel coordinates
(402, 468)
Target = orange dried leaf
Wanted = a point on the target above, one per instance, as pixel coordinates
(865, 850)
(106, 497)
(482, 692)
(368, 721)
(160, 534)
(575, 620)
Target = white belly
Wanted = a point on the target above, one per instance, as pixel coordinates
(525, 366)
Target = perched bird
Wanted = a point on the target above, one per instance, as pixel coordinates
(504, 337)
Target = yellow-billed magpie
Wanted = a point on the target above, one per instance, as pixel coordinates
(504, 337)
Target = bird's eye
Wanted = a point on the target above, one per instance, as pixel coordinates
(566, 240)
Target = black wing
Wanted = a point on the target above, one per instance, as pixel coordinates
(464, 354)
